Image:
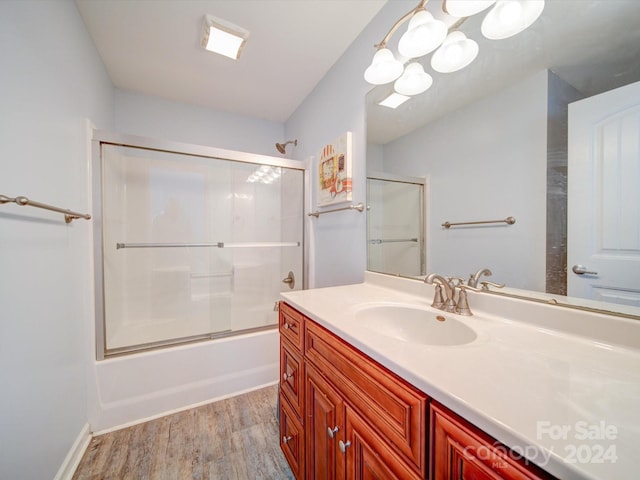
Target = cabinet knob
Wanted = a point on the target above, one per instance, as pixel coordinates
(286, 377)
(343, 446)
(287, 326)
(331, 431)
(286, 439)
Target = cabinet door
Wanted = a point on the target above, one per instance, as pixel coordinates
(396, 409)
(368, 457)
(463, 452)
(324, 427)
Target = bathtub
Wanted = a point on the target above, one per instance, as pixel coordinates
(134, 388)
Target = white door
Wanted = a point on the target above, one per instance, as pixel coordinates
(603, 251)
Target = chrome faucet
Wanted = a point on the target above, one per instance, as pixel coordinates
(474, 278)
(449, 304)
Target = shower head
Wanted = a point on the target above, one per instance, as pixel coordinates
(281, 147)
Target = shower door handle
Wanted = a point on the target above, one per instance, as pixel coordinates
(290, 280)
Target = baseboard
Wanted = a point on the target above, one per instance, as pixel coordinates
(72, 460)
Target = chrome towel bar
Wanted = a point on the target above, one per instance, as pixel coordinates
(377, 241)
(359, 207)
(508, 221)
(69, 215)
(214, 245)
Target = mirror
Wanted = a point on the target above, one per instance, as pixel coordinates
(492, 141)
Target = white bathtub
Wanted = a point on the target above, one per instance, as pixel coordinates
(133, 388)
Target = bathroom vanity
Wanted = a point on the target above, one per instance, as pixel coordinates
(365, 393)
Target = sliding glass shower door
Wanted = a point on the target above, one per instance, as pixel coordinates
(194, 247)
(395, 225)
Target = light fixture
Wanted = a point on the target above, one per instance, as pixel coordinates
(453, 51)
(393, 100)
(424, 34)
(509, 17)
(225, 38)
(465, 8)
(456, 52)
(384, 68)
(413, 81)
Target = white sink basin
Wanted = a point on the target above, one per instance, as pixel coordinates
(416, 325)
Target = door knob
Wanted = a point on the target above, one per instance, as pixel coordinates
(290, 280)
(582, 270)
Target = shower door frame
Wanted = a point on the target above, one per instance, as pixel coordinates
(423, 219)
(104, 137)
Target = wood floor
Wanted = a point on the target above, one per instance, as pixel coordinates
(233, 439)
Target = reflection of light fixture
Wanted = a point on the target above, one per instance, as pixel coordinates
(413, 81)
(424, 34)
(265, 174)
(455, 53)
(222, 37)
(465, 8)
(383, 69)
(509, 17)
(394, 100)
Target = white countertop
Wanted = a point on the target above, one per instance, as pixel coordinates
(568, 399)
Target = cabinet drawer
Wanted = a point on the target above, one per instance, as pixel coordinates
(461, 451)
(291, 325)
(292, 376)
(291, 439)
(396, 410)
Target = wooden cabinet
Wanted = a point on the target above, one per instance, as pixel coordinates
(291, 405)
(359, 419)
(393, 408)
(463, 452)
(344, 416)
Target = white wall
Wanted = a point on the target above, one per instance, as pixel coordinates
(485, 161)
(153, 117)
(52, 80)
(337, 105)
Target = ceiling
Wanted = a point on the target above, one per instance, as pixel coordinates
(153, 47)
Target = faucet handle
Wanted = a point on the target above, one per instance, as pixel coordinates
(485, 285)
(455, 281)
(462, 307)
(438, 301)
